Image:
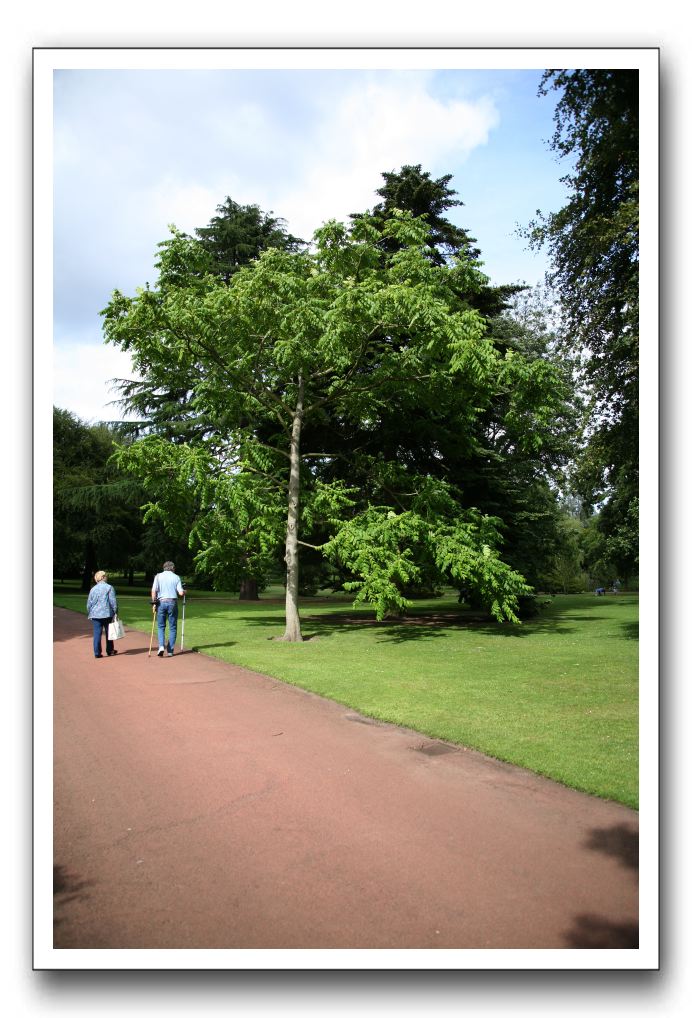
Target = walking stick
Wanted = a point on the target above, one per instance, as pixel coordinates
(182, 634)
(153, 620)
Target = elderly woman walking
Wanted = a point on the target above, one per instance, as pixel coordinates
(101, 607)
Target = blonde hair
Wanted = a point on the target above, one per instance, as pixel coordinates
(100, 575)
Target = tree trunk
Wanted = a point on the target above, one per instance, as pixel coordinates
(248, 589)
(89, 565)
(293, 633)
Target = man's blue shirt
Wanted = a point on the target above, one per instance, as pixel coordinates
(168, 585)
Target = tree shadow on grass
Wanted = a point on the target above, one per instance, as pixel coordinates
(420, 624)
(316, 627)
(426, 623)
(556, 623)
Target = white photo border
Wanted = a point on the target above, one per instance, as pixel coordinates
(646, 60)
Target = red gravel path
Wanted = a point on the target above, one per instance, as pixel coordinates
(201, 805)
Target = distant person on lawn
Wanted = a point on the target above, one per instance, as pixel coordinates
(102, 605)
(166, 589)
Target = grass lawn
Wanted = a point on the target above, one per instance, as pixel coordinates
(557, 695)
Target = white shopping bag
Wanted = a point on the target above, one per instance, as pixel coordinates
(116, 630)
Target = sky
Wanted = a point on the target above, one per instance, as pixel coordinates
(137, 150)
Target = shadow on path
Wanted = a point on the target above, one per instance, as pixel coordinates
(592, 931)
(620, 842)
(595, 932)
(67, 887)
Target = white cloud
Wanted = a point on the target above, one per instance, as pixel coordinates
(82, 373)
(378, 127)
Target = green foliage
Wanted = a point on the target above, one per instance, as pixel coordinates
(622, 545)
(388, 552)
(565, 574)
(601, 571)
(593, 242)
(376, 547)
(95, 519)
(226, 513)
(413, 189)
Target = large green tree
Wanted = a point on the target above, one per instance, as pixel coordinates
(502, 465)
(593, 243)
(298, 338)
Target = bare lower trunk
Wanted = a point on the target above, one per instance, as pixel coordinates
(249, 590)
(293, 633)
(89, 565)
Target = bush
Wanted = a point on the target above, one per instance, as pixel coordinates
(530, 606)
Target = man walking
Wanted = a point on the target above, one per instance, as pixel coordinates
(165, 591)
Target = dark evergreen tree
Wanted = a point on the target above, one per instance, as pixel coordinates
(414, 190)
(239, 233)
